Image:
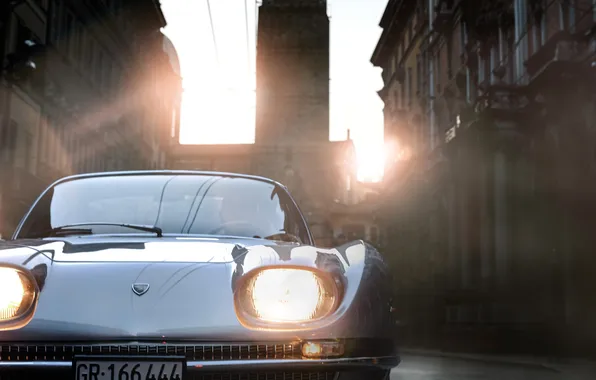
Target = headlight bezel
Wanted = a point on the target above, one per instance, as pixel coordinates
(328, 280)
(28, 310)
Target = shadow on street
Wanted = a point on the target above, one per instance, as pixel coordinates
(415, 367)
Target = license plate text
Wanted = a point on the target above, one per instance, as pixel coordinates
(128, 370)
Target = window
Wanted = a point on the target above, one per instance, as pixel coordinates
(56, 146)
(89, 54)
(98, 65)
(449, 53)
(81, 43)
(463, 39)
(61, 147)
(107, 75)
(54, 20)
(402, 98)
(29, 151)
(43, 139)
(69, 34)
(23, 33)
(418, 73)
(116, 75)
(437, 73)
(87, 157)
(409, 79)
(11, 141)
(93, 160)
(78, 155)
(565, 16)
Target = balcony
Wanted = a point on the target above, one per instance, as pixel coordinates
(502, 114)
(503, 102)
(562, 61)
(452, 132)
(458, 131)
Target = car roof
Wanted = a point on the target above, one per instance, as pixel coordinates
(166, 172)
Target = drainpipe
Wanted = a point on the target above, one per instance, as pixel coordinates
(5, 14)
(431, 79)
(521, 50)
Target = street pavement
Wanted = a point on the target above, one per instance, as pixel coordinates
(419, 366)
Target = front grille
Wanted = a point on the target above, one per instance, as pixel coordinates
(265, 376)
(29, 375)
(200, 352)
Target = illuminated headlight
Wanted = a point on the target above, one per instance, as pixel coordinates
(18, 297)
(286, 296)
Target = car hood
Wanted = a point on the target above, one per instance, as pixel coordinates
(87, 285)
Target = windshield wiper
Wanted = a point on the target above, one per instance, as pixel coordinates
(68, 229)
(284, 236)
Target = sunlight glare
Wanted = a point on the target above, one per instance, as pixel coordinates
(370, 161)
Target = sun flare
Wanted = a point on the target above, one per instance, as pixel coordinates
(370, 161)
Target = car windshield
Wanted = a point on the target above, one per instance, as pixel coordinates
(178, 204)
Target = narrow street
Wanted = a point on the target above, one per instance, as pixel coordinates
(415, 367)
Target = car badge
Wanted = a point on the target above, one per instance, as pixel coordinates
(140, 289)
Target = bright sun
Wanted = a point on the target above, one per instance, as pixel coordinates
(370, 161)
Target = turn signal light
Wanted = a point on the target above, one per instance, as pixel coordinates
(314, 350)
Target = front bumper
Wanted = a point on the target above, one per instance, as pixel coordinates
(204, 361)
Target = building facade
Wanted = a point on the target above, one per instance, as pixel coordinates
(292, 118)
(503, 192)
(93, 102)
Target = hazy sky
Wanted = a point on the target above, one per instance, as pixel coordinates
(219, 98)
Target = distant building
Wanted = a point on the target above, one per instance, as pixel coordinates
(94, 102)
(292, 123)
(359, 219)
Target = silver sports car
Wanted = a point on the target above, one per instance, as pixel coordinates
(180, 275)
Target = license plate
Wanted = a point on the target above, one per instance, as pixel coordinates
(130, 368)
